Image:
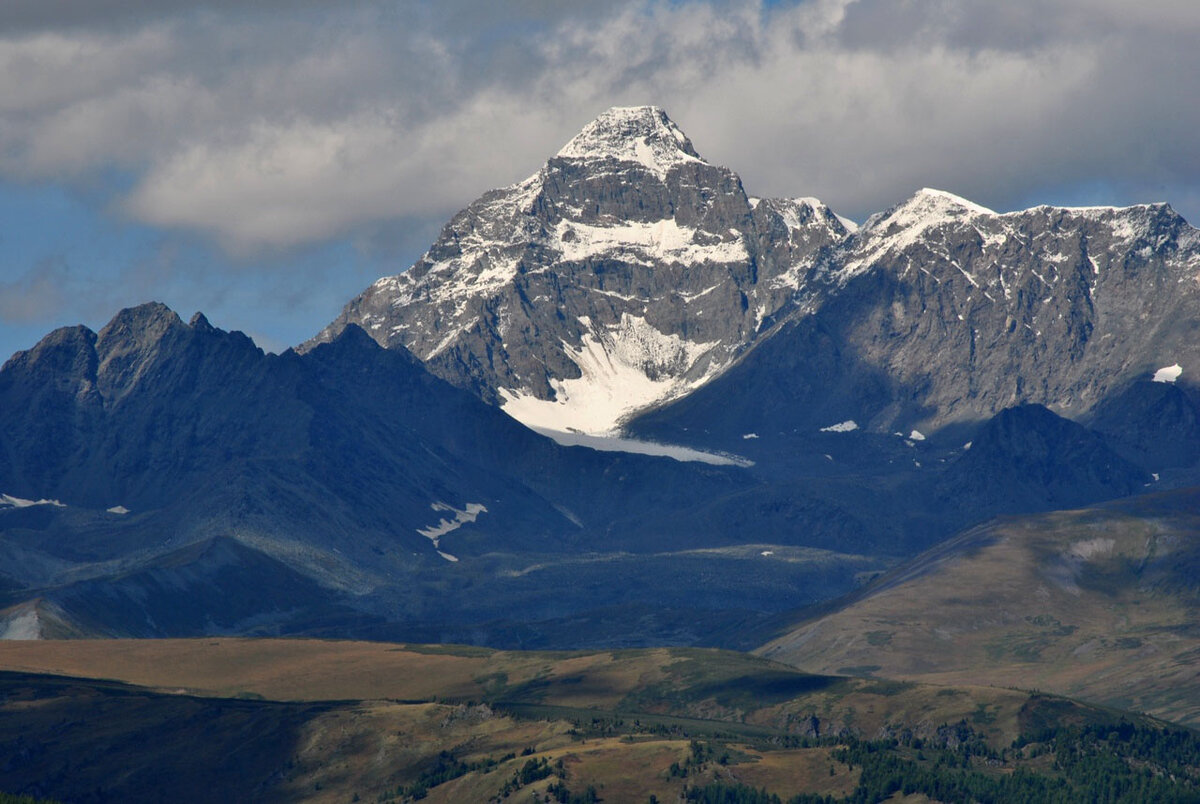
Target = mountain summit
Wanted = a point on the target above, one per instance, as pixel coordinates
(626, 271)
(628, 277)
(642, 134)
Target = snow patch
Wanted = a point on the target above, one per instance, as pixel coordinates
(1168, 373)
(945, 199)
(642, 135)
(617, 444)
(22, 624)
(841, 427)
(434, 533)
(909, 223)
(8, 501)
(663, 240)
(623, 368)
(1089, 548)
(691, 297)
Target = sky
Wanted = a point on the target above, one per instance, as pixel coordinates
(263, 161)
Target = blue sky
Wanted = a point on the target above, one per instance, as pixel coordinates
(70, 259)
(264, 161)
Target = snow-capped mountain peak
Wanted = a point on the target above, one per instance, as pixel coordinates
(625, 272)
(641, 134)
(927, 207)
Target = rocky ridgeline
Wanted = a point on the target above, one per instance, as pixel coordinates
(627, 270)
(971, 312)
(940, 312)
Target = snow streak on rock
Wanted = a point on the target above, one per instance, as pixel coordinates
(434, 533)
(8, 501)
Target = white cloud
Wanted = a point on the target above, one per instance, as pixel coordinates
(268, 131)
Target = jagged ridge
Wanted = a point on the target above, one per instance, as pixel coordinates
(629, 272)
(626, 271)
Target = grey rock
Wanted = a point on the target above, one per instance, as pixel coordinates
(939, 314)
(627, 242)
(1059, 307)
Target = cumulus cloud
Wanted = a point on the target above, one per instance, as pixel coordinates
(276, 124)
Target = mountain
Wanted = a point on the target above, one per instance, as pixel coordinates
(151, 412)
(629, 284)
(626, 271)
(161, 478)
(1027, 458)
(938, 314)
(1098, 603)
(334, 474)
(848, 397)
(629, 273)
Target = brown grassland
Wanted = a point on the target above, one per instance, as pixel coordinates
(1099, 604)
(310, 720)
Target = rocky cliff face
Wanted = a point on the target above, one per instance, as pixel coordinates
(1062, 307)
(628, 273)
(939, 312)
(628, 270)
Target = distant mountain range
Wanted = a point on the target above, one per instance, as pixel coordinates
(629, 272)
(847, 397)
(169, 478)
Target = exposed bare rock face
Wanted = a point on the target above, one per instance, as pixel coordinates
(630, 278)
(626, 271)
(939, 312)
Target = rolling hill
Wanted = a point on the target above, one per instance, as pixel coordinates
(1098, 603)
(288, 720)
